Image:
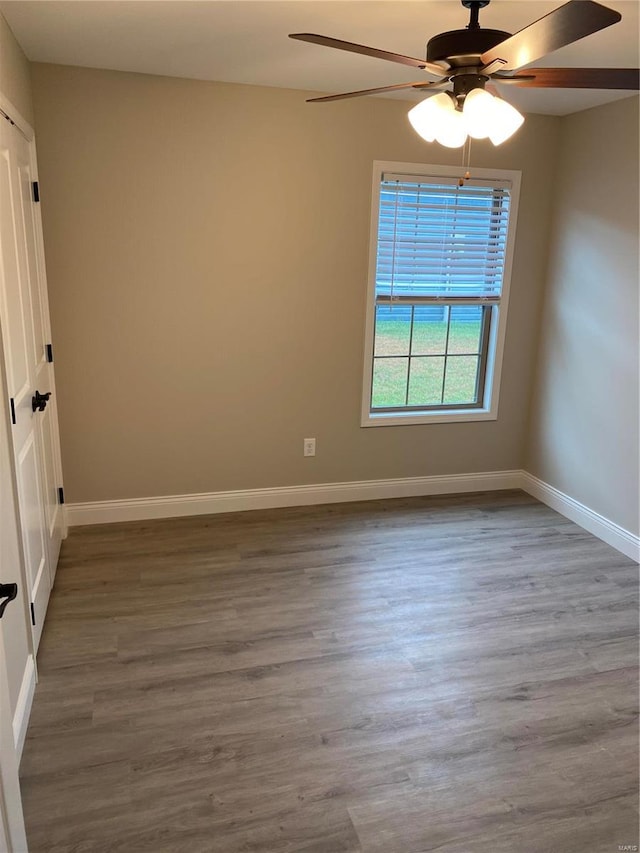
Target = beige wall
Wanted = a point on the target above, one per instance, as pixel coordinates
(584, 418)
(15, 83)
(207, 250)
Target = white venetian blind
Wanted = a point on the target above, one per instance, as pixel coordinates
(439, 240)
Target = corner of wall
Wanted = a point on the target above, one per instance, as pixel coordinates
(15, 73)
(548, 241)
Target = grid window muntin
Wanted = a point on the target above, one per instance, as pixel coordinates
(491, 299)
(486, 313)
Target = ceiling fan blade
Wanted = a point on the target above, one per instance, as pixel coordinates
(437, 84)
(563, 26)
(326, 41)
(440, 84)
(577, 78)
(512, 78)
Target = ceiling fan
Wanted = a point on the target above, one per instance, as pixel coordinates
(466, 60)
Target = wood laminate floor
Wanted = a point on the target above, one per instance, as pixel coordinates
(433, 674)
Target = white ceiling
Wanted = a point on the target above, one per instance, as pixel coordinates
(245, 41)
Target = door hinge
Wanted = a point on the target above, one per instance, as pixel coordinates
(36, 190)
(8, 118)
(60, 495)
(13, 410)
(49, 349)
(33, 615)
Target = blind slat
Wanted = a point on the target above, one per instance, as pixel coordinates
(437, 239)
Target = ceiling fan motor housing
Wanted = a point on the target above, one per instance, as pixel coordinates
(463, 48)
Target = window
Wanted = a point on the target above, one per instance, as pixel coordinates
(439, 276)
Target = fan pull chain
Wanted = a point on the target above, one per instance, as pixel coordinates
(467, 149)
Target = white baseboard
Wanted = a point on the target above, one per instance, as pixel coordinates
(611, 533)
(171, 506)
(207, 503)
(23, 706)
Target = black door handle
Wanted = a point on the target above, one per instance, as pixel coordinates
(8, 591)
(39, 401)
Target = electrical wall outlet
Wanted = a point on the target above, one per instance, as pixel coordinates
(309, 447)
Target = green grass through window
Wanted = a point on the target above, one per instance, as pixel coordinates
(413, 370)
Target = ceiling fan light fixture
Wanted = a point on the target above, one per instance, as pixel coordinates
(483, 115)
(505, 120)
(436, 119)
(452, 132)
(478, 112)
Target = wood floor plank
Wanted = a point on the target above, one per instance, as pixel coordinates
(455, 674)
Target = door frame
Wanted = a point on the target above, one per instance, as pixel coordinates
(16, 117)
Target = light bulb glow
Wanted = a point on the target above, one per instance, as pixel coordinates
(483, 115)
(433, 118)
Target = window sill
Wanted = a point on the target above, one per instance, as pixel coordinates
(441, 417)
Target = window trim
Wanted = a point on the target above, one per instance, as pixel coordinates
(489, 411)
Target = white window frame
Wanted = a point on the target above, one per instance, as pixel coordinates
(489, 409)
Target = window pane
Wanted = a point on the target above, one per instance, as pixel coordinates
(460, 379)
(425, 381)
(389, 382)
(429, 329)
(464, 333)
(393, 329)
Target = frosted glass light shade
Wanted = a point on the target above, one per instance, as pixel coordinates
(478, 113)
(452, 133)
(505, 120)
(436, 118)
(483, 115)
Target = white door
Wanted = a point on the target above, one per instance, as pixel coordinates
(24, 318)
(13, 640)
(12, 833)
(44, 372)
(4, 835)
